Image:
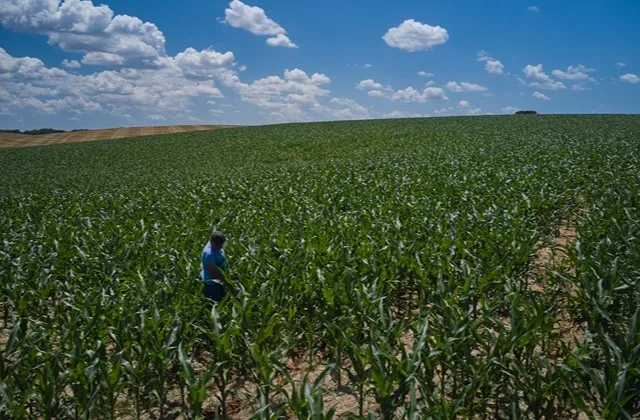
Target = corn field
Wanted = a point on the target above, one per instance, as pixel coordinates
(380, 269)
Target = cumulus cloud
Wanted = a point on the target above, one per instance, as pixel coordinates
(541, 79)
(465, 87)
(80, 26)
(367, 66)
(256, 21)
(621, 64)
(350, 109)
(281, 40)
(425, 74)
(510, 110)
(103, 59)
(403, 114)
(216, 112)
(409, 94)
(533, 9)
(155, 117)
(251, 18)
(413, 36)
(491, 65)
(578, 72)
(70, 64)
(294, 97)
(32, 85)
(494, 67)
(368, 84)
(205, 64)
(442, 111)
(630, 78)
(463, 104)
(541, 96)
(482, 55)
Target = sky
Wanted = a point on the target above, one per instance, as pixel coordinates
(81, 64)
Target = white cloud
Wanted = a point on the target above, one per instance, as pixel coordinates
(256, 21)
(216, 112)
(368, 84)
(510, 110)
(351, 109)
(541, 96)
(574, 73)
(74, 119)
(211, 102)
(443, 110)
(30, 84)
(155, 117)
(281, 40)
(494, 67)
(533, 9)
(536, 72)
(579, 87)
(403, 114)
(630, 78)
(465, 87)
(475, 111)
(296, 97)
(425, 74)
(70, 64)
(367, 66)
(102, 59)
(80, 26)
(194, 119)
(483, 56)
(415, 36)
(409, 94)
(252, 19)
(463, 104)
(542, 80)
(430, 83)
(620, 64)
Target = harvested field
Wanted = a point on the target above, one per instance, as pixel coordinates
(26, 140)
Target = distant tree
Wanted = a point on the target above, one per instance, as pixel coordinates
(42, 131)
(526, 112)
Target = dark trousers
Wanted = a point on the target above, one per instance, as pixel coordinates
(214, 291)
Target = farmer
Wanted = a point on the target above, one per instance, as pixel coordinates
(213, 265)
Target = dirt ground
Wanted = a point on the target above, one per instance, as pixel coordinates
(26, 140)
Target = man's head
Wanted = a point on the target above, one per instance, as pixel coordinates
(217, 239)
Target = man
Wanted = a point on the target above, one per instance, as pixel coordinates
(214, 263)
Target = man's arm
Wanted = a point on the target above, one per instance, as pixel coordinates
(214, 272)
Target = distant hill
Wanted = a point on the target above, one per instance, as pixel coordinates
(47, 136)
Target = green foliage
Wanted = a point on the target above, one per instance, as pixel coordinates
(399, 251)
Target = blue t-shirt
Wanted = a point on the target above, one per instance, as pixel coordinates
(210, 255)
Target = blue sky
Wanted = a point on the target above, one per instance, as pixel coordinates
(82, 64)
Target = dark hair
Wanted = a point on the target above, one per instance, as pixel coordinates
(218, 238)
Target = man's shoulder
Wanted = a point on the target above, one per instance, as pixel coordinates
(207, 249)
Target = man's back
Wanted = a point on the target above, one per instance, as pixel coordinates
(211, 256)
